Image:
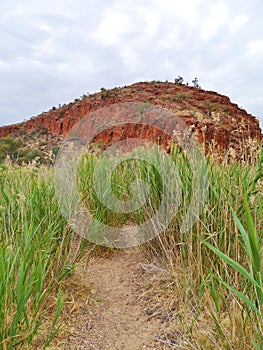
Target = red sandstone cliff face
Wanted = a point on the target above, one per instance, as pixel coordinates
(217, 122)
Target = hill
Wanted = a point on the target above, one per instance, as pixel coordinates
(219, 124)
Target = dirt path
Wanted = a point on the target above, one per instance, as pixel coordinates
(115, 318)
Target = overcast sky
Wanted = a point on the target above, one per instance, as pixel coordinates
(53, 51)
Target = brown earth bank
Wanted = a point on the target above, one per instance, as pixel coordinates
(218, 123)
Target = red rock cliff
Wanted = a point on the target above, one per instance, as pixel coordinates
(217, 122)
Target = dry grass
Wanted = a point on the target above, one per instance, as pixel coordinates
(189, 320)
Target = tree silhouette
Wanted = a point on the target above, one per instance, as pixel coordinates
(179, 80)
(195, 82)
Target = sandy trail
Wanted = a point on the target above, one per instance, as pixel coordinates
(115, 318)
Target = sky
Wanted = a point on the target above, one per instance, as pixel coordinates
(54, 51)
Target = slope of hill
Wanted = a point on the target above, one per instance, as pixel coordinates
(217, 121)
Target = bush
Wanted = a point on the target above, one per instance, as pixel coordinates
(9, 146)
(55, 150)
(3, 167)
(27, 155)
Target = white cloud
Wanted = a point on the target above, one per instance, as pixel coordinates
(3, 64)
(130, 58)
(45, 27)
(238, 22)
(217, 16)
(150, 19)
(255, 48)
(112, 27)
(187, 10)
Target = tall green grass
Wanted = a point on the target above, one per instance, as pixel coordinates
(221, 257)
(35, 255)
(218, 262)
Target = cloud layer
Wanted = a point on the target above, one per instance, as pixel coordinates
(52, 52)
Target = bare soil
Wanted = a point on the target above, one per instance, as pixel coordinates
(115, 315)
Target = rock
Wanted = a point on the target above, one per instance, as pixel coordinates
(218, 123)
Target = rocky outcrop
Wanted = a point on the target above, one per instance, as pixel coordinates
(218, 123)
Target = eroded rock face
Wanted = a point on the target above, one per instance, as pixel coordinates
(218, 123)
